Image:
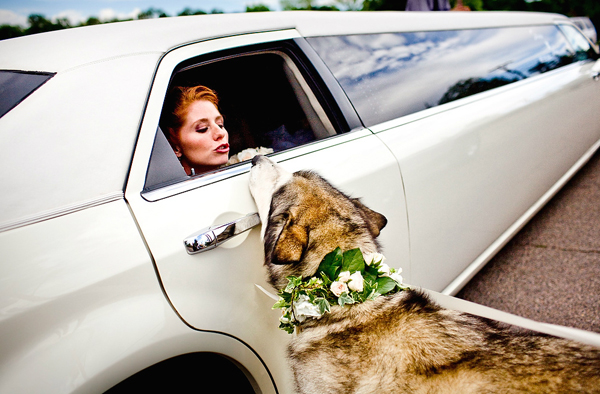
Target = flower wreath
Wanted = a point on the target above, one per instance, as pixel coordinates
(342, 278)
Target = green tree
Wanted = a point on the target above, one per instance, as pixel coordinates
(92, 20)
(350, 5)
(288, 5)
(39, 24)
(8, 31)
(474, 5)
(151, 13)
(257, 8)
(384, 5)
(189, 11)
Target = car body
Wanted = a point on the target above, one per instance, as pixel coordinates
(458, 127)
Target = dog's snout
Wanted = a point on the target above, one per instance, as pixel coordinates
(256, 159)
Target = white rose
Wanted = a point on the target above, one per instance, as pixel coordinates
(303, 307)
(384, 270)
(264, 151)
(233, 160)
(397, 277)
(373, 258)
(356, 282)
(246, 154)
(344, 276)
(337, 288)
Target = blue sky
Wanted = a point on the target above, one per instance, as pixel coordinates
(16, 11)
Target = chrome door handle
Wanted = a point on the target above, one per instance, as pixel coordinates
(211, 237)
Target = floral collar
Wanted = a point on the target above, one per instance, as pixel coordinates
(342, 278)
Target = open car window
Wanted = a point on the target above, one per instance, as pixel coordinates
(269, 97)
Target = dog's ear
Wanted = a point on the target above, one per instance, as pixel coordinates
(375, 220)
(291, 243)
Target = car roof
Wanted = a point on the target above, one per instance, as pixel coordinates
(65, 49)
(68, 145)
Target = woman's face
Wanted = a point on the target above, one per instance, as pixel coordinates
(202, 141)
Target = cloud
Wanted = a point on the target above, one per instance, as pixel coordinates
(108, 14)
(74, 17)
(11, 18)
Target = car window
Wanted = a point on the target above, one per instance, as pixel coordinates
(269, 98)
(579, 43)
(15, 86)
(391, 75)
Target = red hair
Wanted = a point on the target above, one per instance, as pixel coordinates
(179, 100)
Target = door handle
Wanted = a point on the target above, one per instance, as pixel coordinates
(213, 236)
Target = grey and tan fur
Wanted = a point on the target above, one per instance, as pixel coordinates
(403, 343)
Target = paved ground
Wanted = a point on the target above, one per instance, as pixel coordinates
(550, 271)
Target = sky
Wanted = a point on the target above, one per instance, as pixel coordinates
(15, 12)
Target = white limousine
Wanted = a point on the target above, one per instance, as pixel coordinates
(118, 267)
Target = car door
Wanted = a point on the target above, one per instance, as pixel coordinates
(486, 125)
(218, 290)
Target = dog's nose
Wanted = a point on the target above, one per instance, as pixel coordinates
(255, 159)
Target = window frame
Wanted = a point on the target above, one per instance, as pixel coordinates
(324, 87)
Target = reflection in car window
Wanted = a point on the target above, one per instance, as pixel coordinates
(391, 75)
(16, 85)
(579, 43)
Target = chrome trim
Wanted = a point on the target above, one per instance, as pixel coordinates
(240, 169)
(195, 182)
(211, 237)
(54, 213)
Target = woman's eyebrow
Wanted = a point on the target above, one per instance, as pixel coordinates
(205, 120)
(199, 121)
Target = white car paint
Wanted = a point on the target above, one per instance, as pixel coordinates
(95, 283)
(473, 170)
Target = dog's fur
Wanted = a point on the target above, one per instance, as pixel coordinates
(402, 343)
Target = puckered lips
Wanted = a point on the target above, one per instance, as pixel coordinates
(223, 148)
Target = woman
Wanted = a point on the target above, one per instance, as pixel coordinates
(196, 129)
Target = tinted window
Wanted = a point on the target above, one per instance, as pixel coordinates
(15, 86)
(578, 42)
(391, 75)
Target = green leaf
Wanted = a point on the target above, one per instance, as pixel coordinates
(281, 304)
(323, 305)
(353, 261)
(293, 282)
(287, 327)
(385, 285)
(331, 264)
(345, 298)
(371, 273)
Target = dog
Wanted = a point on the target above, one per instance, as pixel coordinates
(398, 343)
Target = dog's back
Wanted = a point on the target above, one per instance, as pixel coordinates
(400, 343)
(405, 343)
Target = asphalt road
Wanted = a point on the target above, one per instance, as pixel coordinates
(550, 271)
